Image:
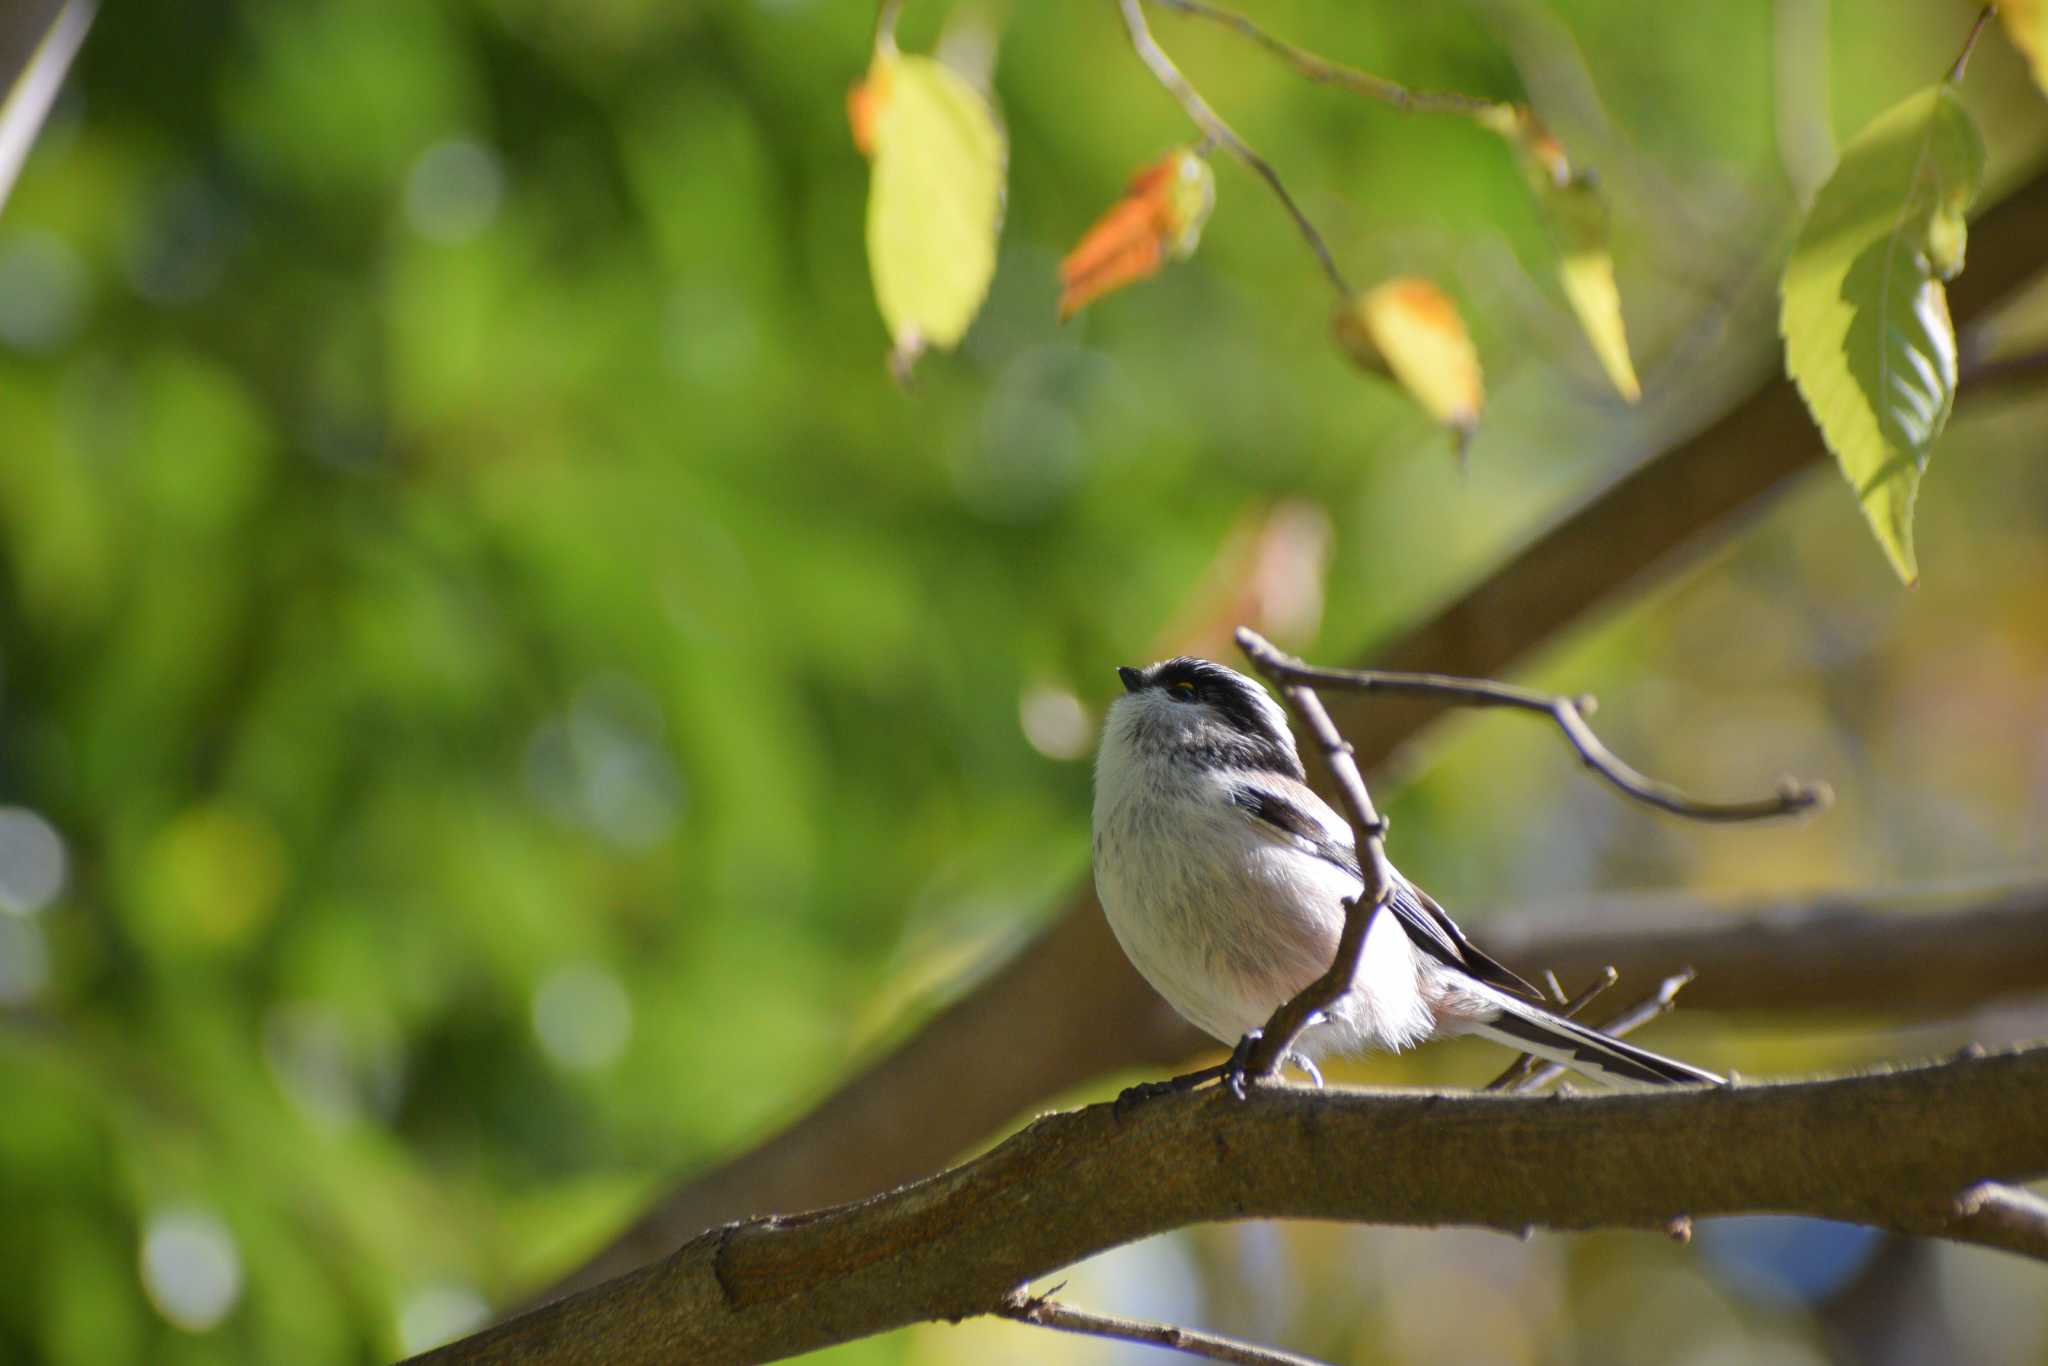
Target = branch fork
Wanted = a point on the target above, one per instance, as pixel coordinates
(1297, 684)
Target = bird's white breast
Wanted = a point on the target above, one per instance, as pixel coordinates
(1226, 921)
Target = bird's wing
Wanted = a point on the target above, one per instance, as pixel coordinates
(1428, 924)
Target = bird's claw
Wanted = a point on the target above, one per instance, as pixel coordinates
(1235, 1075)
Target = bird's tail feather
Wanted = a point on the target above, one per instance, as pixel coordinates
(1604, 1058)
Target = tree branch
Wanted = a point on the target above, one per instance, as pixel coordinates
(1908, 955)
(1902, 1150)
(1568, 713)
(1658, 1002)
(2001, 1216)
(1368, 836)
(1047, 1312)
(1325, 72)
(1515, 1076)
(1980, 377)
(1297, 683)
(1089, 1014)
(1222, 134)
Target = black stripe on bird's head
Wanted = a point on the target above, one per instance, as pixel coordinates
(1229, 716)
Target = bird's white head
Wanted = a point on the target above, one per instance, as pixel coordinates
(1197, 712)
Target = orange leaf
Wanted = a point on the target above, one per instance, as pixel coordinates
(863, 106)
(1409, 329)
(1160, 217)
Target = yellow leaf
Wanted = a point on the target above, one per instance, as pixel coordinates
(1586, 269)
(1577, 217)
(935, 199)
(2026, 23)
(1409, 329)
(1865, 319)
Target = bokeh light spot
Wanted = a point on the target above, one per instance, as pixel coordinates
(1055, 722)
(582, 1016)
(332, 1072)
(191, 1267)
(32, 861)
(454, 189)
(605, 765)
(43, 287)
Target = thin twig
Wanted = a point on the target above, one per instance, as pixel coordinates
(1326, 72)
(1050, 1313)
(885, 24)
(1955, 73)
(1658, 1002)
(1511, 1077)
(2005, 1216)
(1222, 134)
(1567, 712)
(1369, 837)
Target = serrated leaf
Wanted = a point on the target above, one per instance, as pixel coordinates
(2026, 23)
(1865, 318)
(1159, 218)
(935, 199)
(1410, 330)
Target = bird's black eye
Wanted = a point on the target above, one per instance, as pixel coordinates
(1182, 691)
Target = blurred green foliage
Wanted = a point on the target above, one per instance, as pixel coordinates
(526, 704)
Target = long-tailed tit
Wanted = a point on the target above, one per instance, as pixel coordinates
(1224, 877)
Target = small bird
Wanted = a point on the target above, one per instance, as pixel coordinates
(1224, 878)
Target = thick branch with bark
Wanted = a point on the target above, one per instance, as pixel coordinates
(1906, 956)
(1905, 1150)
(1088, 1012)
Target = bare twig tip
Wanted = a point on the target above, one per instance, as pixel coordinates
(1955, 73)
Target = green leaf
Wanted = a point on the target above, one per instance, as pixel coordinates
(935, 203)
(1865, 319)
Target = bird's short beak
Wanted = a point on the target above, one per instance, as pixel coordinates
(1133, 680)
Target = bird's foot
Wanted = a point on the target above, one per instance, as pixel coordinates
(1302, 1064)
(1237, 1077)
(1133, 1096)
(1235, 1074)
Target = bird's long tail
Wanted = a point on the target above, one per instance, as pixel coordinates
(1606, 1059)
